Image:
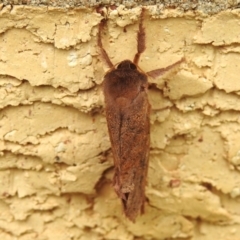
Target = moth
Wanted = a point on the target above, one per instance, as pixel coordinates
(125, 88)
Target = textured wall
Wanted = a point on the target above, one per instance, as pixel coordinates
(56, 162)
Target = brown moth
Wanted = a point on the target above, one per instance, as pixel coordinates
(127, 111)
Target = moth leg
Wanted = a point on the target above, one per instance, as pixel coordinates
(141, 39)
(159, 72)
(103, 53)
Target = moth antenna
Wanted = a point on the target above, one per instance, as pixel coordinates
(103, 53)
(159, 72)
(141, 39)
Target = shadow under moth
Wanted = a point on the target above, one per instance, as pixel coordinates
(125, 88)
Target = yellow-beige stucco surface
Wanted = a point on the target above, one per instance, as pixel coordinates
(56, 162)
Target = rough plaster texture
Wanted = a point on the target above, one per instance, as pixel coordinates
(56, 162)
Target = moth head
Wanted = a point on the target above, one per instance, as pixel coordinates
(126, 65)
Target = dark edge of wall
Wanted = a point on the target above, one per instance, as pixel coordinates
(206, 6)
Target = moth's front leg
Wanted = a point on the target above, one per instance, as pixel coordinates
(160, 71)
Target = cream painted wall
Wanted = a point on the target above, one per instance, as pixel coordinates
(56, 162)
